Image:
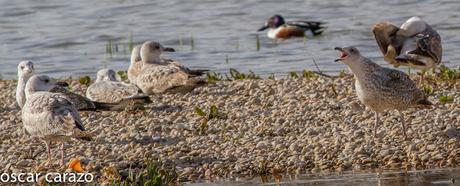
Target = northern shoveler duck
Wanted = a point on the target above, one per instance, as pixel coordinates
(415, 44)
(279, 29)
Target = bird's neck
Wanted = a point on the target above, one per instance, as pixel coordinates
(20, 90)
(29, 91)
(152, 60)
(362, 68)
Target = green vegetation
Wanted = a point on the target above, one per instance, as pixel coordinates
(131, 41)
(271, 76)
(236, 75)
(212, 77)
(213, 113)
(192, 43)
(85, 80)
(293, 75)
(123, 75)
(342, 73)
(427, 89)
(308, 74)
(446, 99)
(449, 74)
(257, 42)
(150, 175)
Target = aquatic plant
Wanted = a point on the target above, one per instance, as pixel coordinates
(85, 80)
(271, 76)
(108, 48)
(131, 41)
(192, 43)
(257, 42)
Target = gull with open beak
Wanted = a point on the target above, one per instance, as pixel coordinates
(380, 88)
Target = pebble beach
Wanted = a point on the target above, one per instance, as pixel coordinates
(262, 127)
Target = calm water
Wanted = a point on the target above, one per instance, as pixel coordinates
(69, 37)
(448, 177)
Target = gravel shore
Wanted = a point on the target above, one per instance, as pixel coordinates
(298, 125)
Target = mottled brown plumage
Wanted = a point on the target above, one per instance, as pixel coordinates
(381, 88)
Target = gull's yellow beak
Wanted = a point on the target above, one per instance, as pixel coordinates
(76, 165)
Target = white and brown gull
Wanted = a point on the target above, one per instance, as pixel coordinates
(415, 44)
(50, 116)
(25, 71)
(109, 89)
(81, 103)
(158, 75)
(380, 88)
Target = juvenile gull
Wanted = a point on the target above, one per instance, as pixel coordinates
(158, 76)
(25, 71)
(81, 103)
(415, 44)
(50, 116)
(108, 89)
(381, 88)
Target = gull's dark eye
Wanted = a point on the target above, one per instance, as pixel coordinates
(22, 67)
(157, 47)
(47, 80)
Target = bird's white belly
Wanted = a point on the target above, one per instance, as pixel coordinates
(367, 98)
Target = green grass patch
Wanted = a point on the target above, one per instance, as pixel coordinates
(85, 80)
(446, 99)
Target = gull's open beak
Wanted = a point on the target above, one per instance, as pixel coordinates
(62, 84)
(168, 49)
(262, 28)
(343, 54)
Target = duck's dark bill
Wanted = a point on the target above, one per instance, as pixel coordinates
(262, 28)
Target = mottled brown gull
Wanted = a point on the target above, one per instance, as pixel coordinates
(380, 88)
(415, 44)
(108, 89)
(50, 116)
(157, 76)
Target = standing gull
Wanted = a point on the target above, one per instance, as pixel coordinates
(108, 89)
(50, 116)
(415, 44)
(25, 71)
(381, 88)
(158, 76)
